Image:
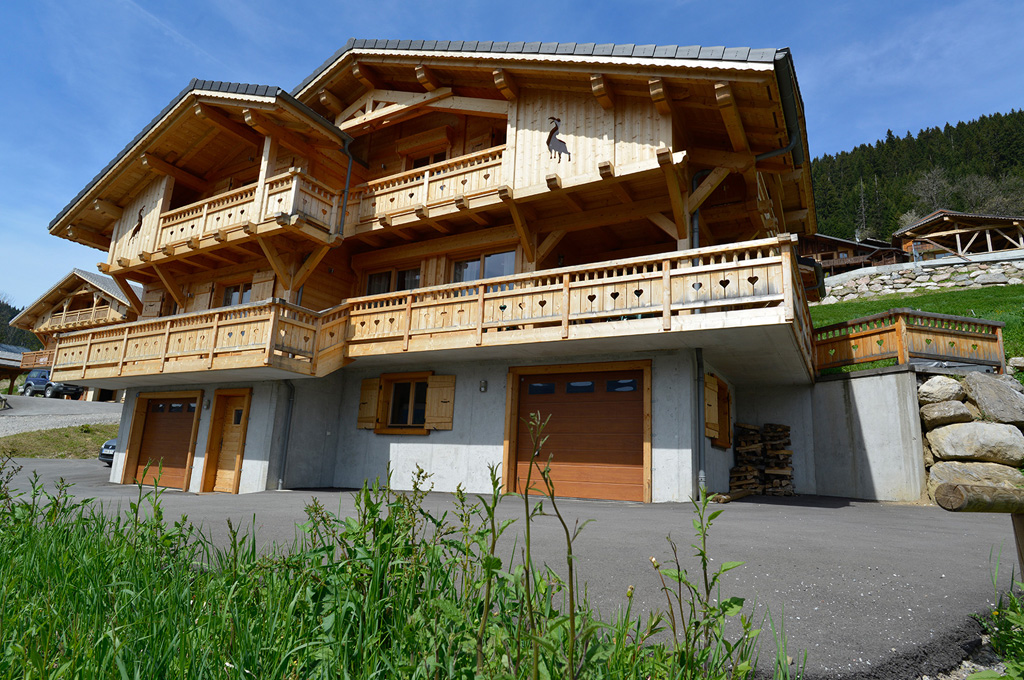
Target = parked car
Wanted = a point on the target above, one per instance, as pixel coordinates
(107, 452)
(38, 382)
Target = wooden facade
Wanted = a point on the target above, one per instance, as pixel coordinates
(837, 255)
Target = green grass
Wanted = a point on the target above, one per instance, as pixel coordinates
(393, 592)
(80, 441)
(1004, 304)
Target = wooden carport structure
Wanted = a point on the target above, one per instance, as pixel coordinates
(962, 234)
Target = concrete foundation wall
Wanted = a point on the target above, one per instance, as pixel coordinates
(867, 438)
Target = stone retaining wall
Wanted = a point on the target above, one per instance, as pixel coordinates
(919, 279)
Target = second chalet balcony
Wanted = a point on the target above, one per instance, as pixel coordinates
(743, 304)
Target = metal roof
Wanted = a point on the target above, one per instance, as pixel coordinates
(10, 355)
(939, 215)
(103, 283)
(691, 52)
(244, 89)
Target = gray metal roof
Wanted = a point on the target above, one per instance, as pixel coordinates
(107, 285)
(244, 89)
(703, 53)
(938, 216)
(10, 355)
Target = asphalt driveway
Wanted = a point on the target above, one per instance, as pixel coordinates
(869, 590)
(39, 413)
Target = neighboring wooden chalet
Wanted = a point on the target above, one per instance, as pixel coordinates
(11, 364)
(837, 255)
(947, 233)
(394, 263)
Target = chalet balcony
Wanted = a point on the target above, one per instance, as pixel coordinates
(742, 303)
(433, 187)
(93, 316)
(40, 359)
(265, 340)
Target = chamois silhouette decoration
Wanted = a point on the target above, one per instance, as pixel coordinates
(556, 145)
(138, 225)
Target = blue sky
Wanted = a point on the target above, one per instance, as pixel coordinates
(82, 77)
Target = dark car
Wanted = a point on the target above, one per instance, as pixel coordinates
(107, 452)
(38, 382)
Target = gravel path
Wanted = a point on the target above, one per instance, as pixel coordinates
(28, 414)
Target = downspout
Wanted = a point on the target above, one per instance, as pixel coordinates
(286, 435)
(348, 180)
(698, 381)
(787, 95)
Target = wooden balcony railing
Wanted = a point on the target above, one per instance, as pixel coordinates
(290, 192)
(80, 317)
(906, 334)
(736, 285)
(41, 359)
(261, 334)
(468, 176)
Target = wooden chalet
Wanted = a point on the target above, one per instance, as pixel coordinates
(394, 263)
(947, 233)
(837, 255)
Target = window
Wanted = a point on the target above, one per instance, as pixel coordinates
(579, 386)
(236, 295)
(487, 266)
(407, 403)
(717, 413)
(427, 160)
(392, 280)
(623, 385)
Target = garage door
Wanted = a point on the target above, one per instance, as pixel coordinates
(166, 440)
(595, 433)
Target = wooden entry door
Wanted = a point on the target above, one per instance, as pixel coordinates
(595, 434)
(226, 442)
(166, 441)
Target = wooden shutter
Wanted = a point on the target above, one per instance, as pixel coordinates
(262, 286)
(440, 402)
(710, 405)
(201, 294)
(152, 301)
(723, 440)
(368, 395)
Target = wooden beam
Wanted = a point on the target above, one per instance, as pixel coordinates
(367, 76)
(706, 187)
(471, 240)
(554, 183)
(236, 130)
(107, 208)
(676, 191)
(129, 293)
(427, 78)
(77, 232)
(276, 262)
(731, 117)
(394, 113)
(549, 243)
(486, 108)
(525, 239)
(330, 101)
(602, 91)
(738, 162)
(506, 84)
(423, 213)
(261, 123)
(600, 217)
(659, 95)
(665, 224)
(607, 172)
(173, 290)
(462, 203)
(161, 166)
(309, 265)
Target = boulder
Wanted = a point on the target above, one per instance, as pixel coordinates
(989, 279)
(830, 300)
(987, 474)
(996, 399)
(990, 442)
(929, 459)
(944, 413)
(1009, 382)
(1016, 362)
(940, 388)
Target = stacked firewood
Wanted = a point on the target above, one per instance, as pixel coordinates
(748, 475)
(778, 460)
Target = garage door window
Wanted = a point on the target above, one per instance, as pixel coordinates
(579, 387)
(541, 388)
(621, 386)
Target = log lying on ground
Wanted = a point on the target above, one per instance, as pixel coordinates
(978, 498)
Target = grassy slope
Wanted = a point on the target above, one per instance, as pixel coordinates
(82, 441)
(1004, 304)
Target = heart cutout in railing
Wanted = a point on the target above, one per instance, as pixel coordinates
(879, 342)
(638, 292)
(330, 334)
(487, 175)
(974, 347)
(541, 303)
(752, 280)
(855, 347)
(376, 322)
(724, 283)
(305, 338)
(832, 351)
(391, 320)
(230, 334)
(440, 187)
(591, 297)
(927, 341)
(241, 332)
(503, 307)
(952, 343)
(362, 323)
(412, 194)
(697, 285)
(615, 295)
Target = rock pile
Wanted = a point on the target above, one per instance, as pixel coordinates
(974, 430)
(920, 279)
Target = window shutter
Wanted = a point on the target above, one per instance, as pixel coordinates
(723, 440)
(710, 406)
(201, 297)
(440, 402)
(152, 301)
(369, 393)
(262, 286)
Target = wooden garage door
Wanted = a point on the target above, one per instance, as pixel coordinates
(595, 433)
(166, 438)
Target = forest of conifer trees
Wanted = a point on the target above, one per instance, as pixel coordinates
(874, 190)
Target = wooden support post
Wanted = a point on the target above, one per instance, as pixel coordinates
(85, 357)
(408, 322)
(213, 339)
(124, 350)
(480, 316)
(565, 305)
(666, 294)
(902, 352)
(271, 334)
(525, 238)
(167, 344)
(129, 293)
(1017, 521)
